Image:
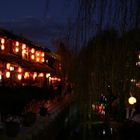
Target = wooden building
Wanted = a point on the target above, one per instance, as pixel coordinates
(24, 63)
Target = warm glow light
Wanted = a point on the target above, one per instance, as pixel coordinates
(43, 59)
(17, 43)
(7, 74)
(37, 54)
(132, 100)
(34, 75)
(2, 47)
(19, 76)
(11, 68)
(42, 54)
(32, 57)
(32, 50)
(0, 75)
(59, 79)
(23, 51)
(37, 59)
(16, 49)
(19, 69)
(26, 75)
(8, 66)
(23, 46)
(40, 75)
(2, 40)
(48, 75)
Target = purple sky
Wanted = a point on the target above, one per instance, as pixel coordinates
(36, 20)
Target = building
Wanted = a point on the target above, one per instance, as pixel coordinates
(24, 63)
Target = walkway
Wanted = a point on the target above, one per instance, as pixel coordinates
(26, 133)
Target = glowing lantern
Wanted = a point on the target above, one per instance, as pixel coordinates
(132, 100)
(23, 46)
(0, 75)
(26, 75)
(11, 68)
(42, 54)
(32, 57)
(8, 66)
(40, 75)
(37, 54)
(32, 50)
(16, 49)
(17, 43)
(34, 75)
(2, 47)
(48, 75)
(7, 74)
(43, 59)
(2, 40)
(19, 69)
(37, 59)
(19, 76)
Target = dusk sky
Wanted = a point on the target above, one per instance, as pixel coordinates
(39, 20)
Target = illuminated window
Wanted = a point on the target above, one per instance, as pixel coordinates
(2, 41)
(48, 75)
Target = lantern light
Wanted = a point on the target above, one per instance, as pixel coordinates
(2, 47)
(17, 43)
(26, 75)
(132, 100)
(42, 54)
(7, 74)
(32, 57)
(11, 68)
(48, 75)
(32, 50)
(23, 46)
(16, 49)
(19, 69)
(19, 76)
(2, 40)
(40, 75)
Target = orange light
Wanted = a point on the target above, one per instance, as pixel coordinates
(37, 59)
(32, 50)
(2, 40)
(40, 75)
(8, 66)
(17, 43)
(43, 59)
(59, 79)
(19, 69)
(7, 74)
(23, 51)
(16, 49)
(42, 54)
(26, 75)
(48, 75)
(2, 47)
(0, 75)
(32, 57)
(11, 68)
(19, 76)
(34, 75)
(37, 53)
(23, 46)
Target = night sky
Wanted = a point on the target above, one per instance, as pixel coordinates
(41, 21)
